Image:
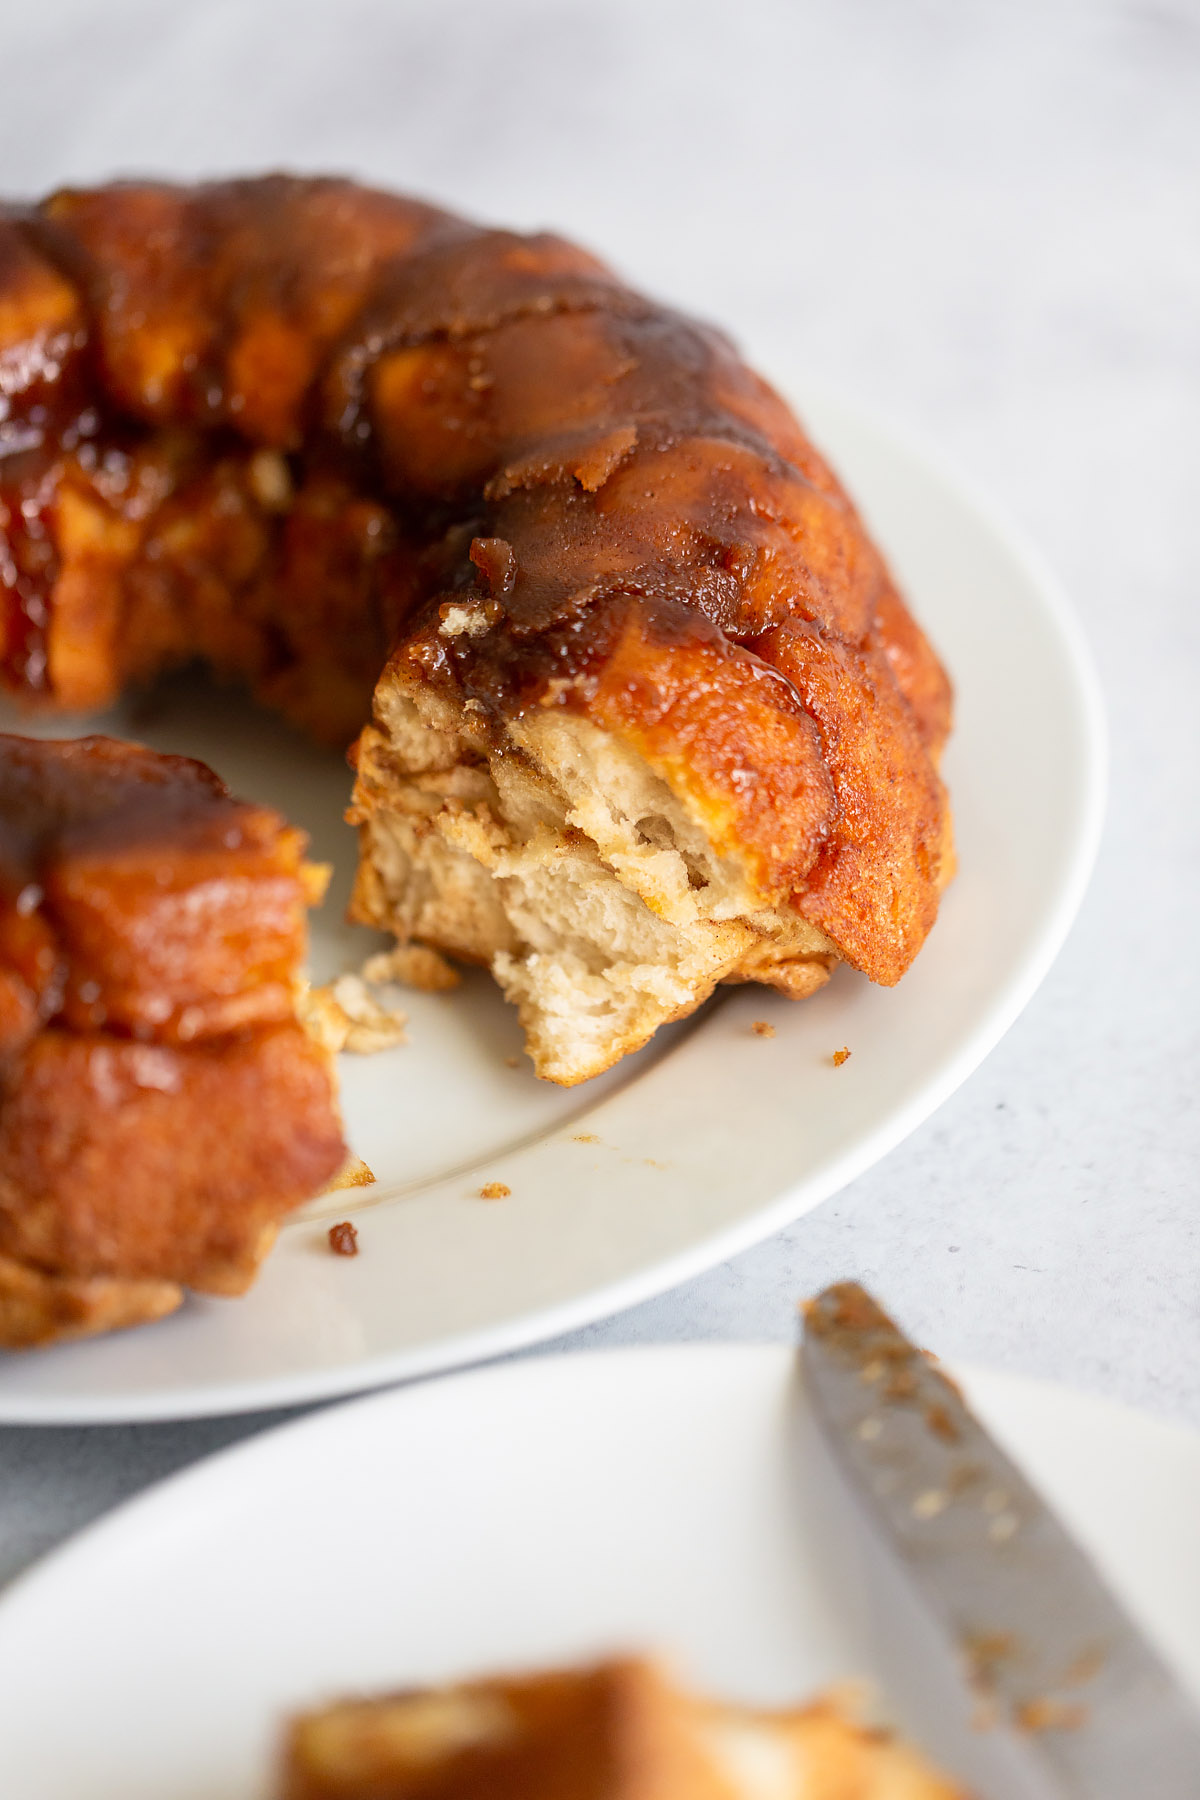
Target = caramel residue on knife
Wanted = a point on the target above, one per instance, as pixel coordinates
(962, 1476)
(1085, 1667)
(849, 1320)
(941, 1424)
(901, 1385)
(1047, 1714)
(845, 1307)
(985, 1651)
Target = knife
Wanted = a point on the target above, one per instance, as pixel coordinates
(1043, 1643)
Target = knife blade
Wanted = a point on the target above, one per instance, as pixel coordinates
(1041, 1640)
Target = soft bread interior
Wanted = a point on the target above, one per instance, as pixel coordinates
(564, 862)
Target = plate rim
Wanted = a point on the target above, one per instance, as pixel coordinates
(460, 1348)
(197, 1507)
(122, 1523)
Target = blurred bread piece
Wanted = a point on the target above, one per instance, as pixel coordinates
(162, 1106)
(617, 1731)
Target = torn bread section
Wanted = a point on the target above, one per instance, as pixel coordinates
(554, 853)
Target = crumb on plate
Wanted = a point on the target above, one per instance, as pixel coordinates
(840, 1056)
(345, 1015)
(343, 1239)
(353, 1173)
(494, 1190)
(413, 965)
(761, 1028)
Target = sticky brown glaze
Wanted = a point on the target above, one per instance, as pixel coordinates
(286, 424)
(160, 1106)
(155, 1161)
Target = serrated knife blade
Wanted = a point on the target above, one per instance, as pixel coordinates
(1042, 1641)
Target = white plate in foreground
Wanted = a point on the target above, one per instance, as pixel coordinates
(711, 1138)
(670, 1499)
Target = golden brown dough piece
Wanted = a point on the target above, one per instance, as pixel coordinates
(161, 1107)
(618, 1731)
(651, 715)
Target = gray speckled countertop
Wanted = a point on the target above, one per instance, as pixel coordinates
(980, 219)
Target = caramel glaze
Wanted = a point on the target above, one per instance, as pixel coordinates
(160, 1106)
(286, 424)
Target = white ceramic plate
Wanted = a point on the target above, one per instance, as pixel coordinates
(712, 1137)
(670, 1499)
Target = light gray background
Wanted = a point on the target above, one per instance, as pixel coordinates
(982, 219)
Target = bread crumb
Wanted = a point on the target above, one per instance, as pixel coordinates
(840, 1056)
(460, 621)
(494, 1190)
(345, 1015)
(321, 1017)
(343, 1239)
(413, 965)
(353, 1173)
(586, 1137)
(761, 1028)
(373, 1026)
